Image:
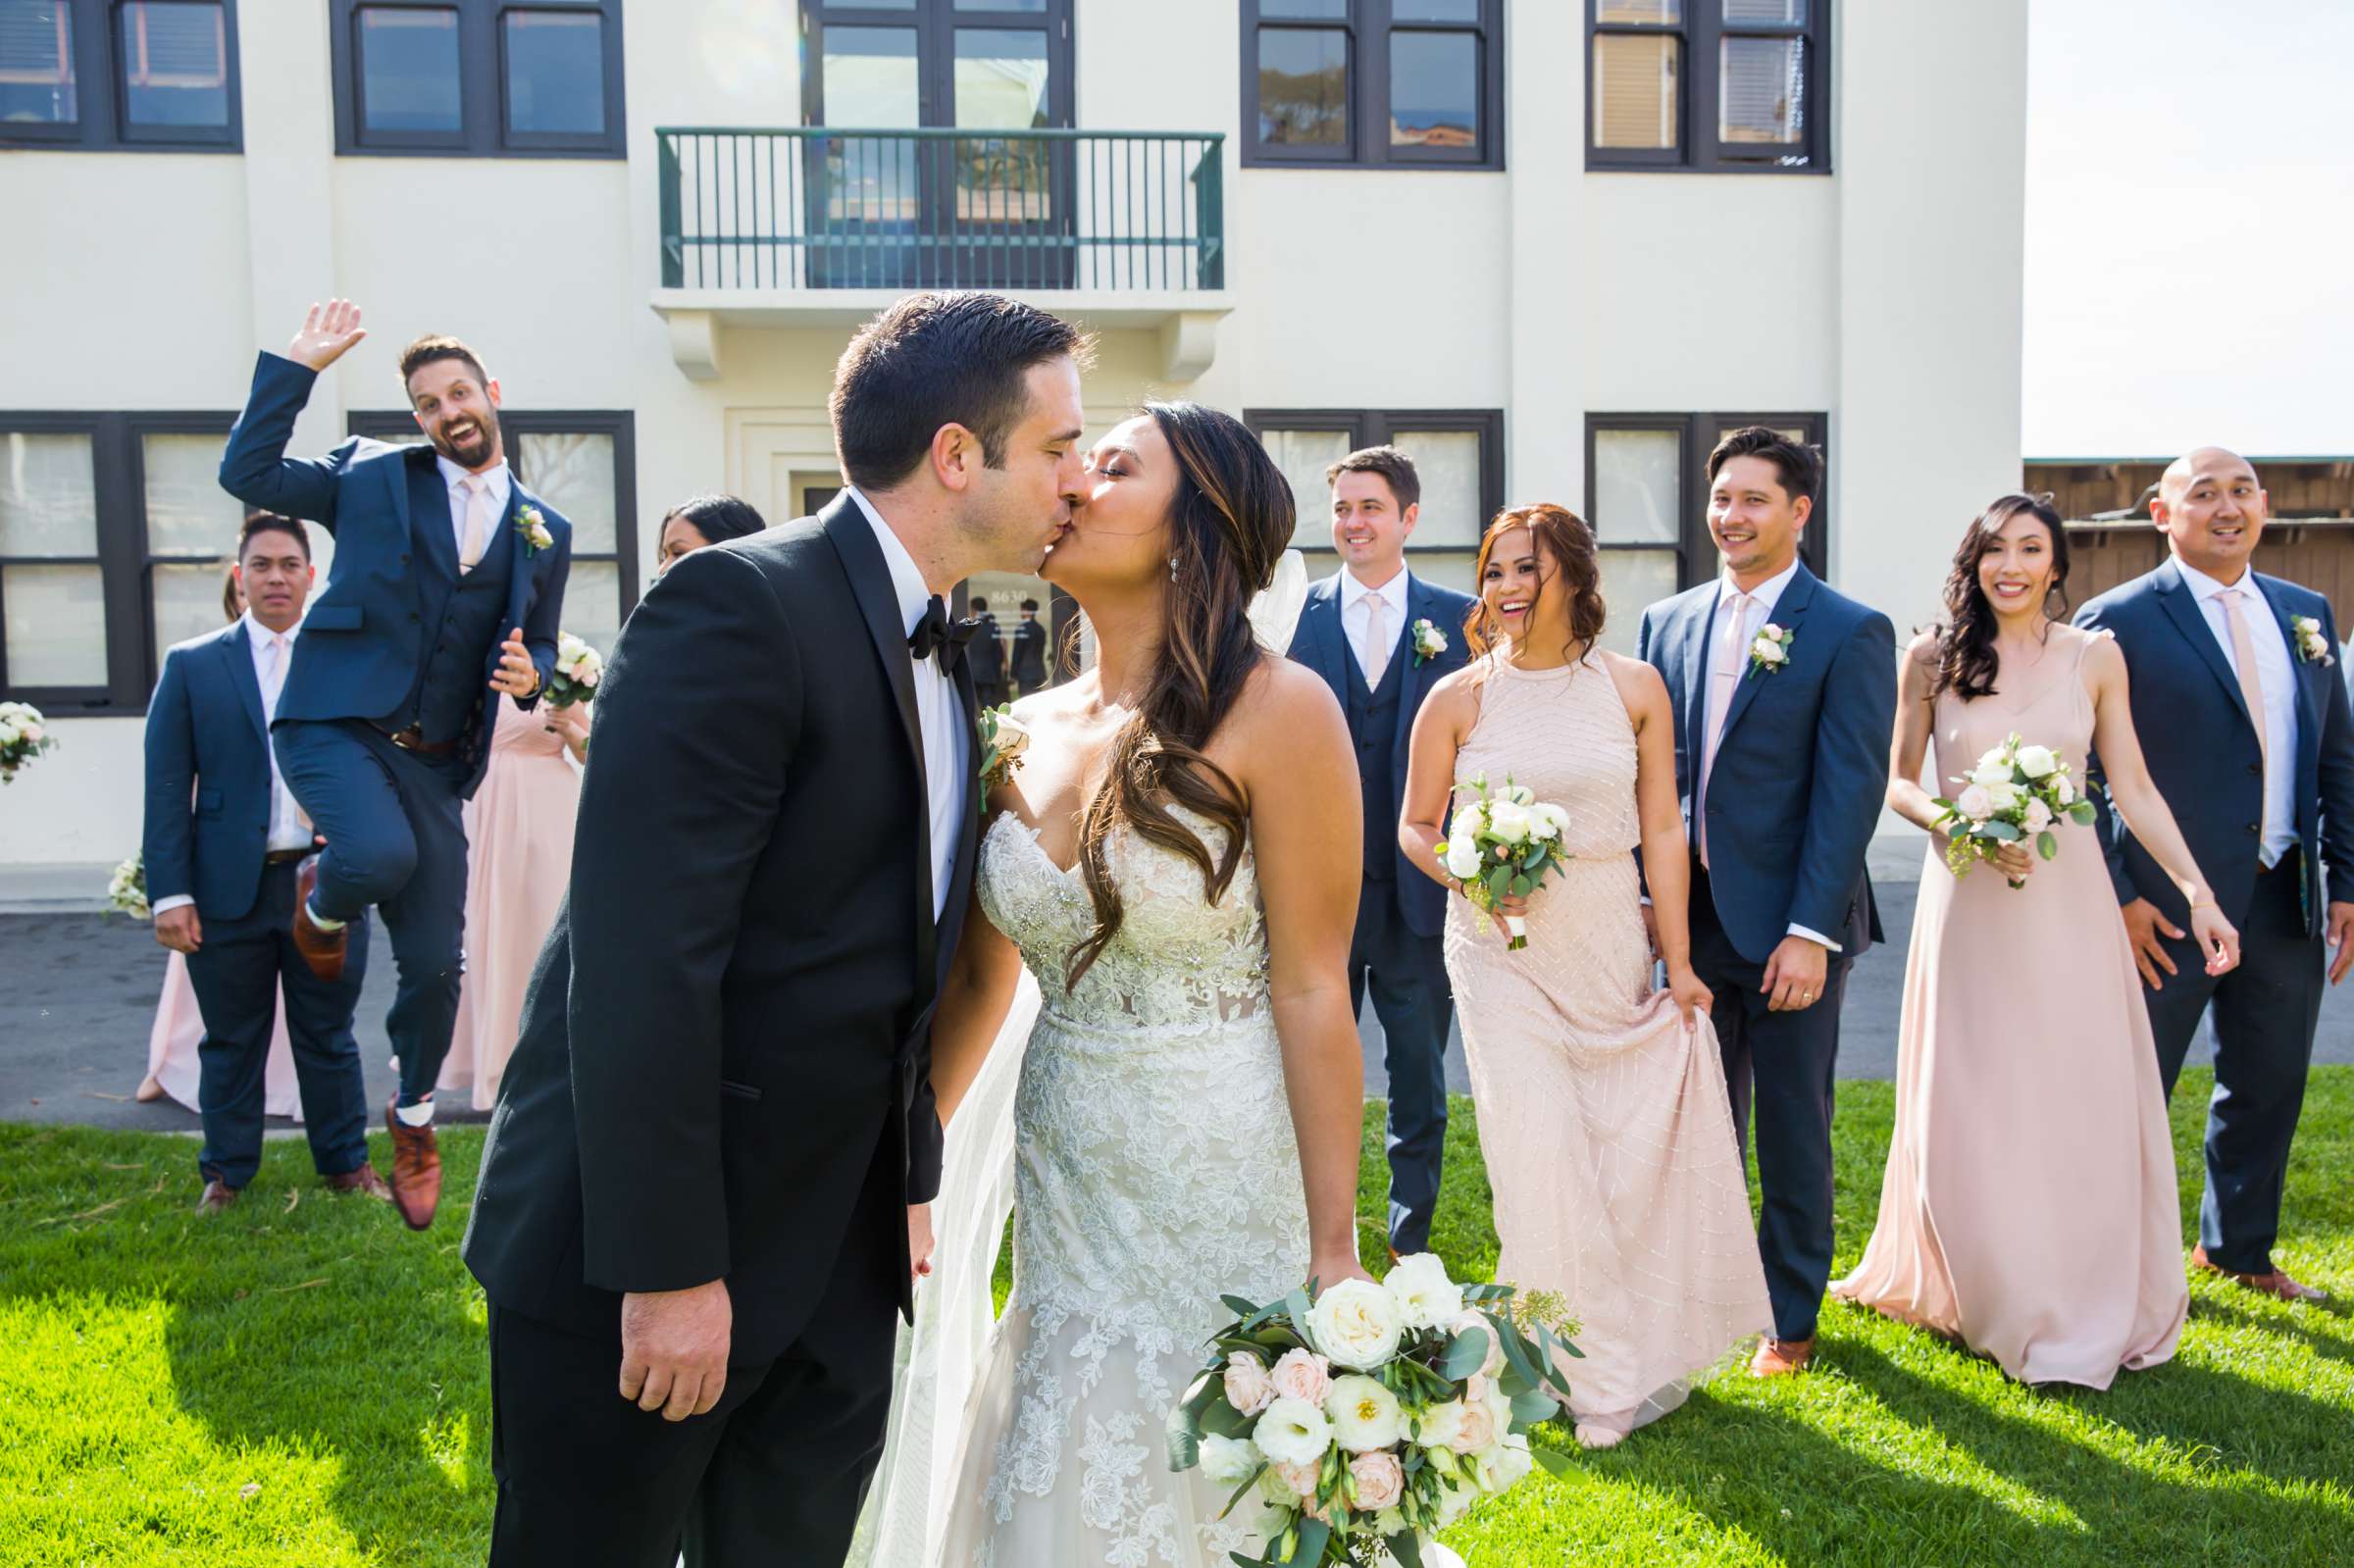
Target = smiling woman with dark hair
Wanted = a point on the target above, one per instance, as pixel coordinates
(702, 521)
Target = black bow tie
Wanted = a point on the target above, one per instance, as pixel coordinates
(935, 633)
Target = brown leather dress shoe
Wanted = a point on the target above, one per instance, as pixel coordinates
(218, 1195)
(321, 950)
(2274, 1283)
(363, 1181)
(1778, 1358)
(415, 1171)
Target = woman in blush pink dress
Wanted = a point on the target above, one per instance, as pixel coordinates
(178, 1030)
(518, 864)
(2029, 1208)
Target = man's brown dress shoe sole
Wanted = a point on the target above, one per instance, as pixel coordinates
(320, 950)
(218, 1195)
(363, 1181)
(416, 1170)
(2275, 1284)
(1778, 1358)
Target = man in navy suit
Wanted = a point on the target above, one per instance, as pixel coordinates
(222, 841)
(1381, 637)
(446, 587)
(2245, 727)
(1785, 698)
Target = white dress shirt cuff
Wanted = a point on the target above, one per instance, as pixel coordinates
(1815, 937)
(163, 906)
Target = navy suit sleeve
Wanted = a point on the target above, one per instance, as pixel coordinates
(1851, 774)
(547, 616)
(167, 841)
(2108, 827)
(255, 466)
(2337, 775)
(695, 728)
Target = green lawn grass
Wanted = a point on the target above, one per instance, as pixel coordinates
(304, 1386)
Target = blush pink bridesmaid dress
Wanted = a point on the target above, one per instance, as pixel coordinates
(178, 1031)
(518, 863)
(2029, 1208)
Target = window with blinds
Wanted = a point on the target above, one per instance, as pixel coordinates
(114, 75)
(1726, 87)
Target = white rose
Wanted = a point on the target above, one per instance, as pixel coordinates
(1012, 739)
(1519, 795)
(1227, 1461)
(2063, 791)
(2036, 761)
(1552, 821)
(1419, 1288)
(2039, 815)
(1990, 774)
(2004, 796)
(1440, 1425)
(1355, 1325)
(1510, 821)
(1293, 1431)
(10, 735)
(1363, 1414)
(1768, 652)
(1462, 857)
(1505, 1465)
(1975, 803)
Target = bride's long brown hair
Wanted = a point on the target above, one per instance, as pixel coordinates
(1229, 522)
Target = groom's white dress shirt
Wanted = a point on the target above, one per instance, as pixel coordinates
(948, 749)
(1739, 618)
(2276, 674)
(273, 653)
(494, 482)
(1358, 620)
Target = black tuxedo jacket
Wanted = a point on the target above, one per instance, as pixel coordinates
(726, 1036)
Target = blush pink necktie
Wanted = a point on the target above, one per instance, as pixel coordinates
(2251, 681)
(477, 521)
(1377, 640)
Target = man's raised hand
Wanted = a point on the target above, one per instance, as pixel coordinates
(326, 335)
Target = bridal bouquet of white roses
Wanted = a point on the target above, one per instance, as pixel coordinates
(2017, 791)
(578, 667)
(23, 735)
(1366, 1416)
(1003, 739)
(1500, 846)
(127, 891)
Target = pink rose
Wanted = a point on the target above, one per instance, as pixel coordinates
(1246, 1387)
(1302, 1478)
(588, 677)
(1301, 1375)
(1477, 1429)
(1380, 1481)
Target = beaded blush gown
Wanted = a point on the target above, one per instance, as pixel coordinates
(1605, 1122)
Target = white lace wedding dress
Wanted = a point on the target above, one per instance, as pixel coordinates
(1154, 1168)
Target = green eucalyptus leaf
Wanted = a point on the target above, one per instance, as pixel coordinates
(1466, 1356)
(2047, 844)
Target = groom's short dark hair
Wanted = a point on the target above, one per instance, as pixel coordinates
(1799, 465)
(439, 345)
(936, 359)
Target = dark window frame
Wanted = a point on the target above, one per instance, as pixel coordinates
(1699, 149)
(1699, 435)
(482, 106)
(1377, 426)
(936, 28)
(103, 98)
(401, 426)
(1369, 27)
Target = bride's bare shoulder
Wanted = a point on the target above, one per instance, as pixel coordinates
(1282, 691)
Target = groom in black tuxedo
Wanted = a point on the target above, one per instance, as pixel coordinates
(704, 1189)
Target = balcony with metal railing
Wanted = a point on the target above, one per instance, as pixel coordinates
(818, 225)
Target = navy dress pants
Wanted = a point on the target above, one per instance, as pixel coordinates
(1408, 977)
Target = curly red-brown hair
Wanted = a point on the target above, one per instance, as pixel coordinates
(1562, 539)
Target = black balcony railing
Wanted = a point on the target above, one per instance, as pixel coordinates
(815, 207)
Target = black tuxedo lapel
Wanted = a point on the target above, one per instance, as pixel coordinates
(2182, 608)
(846, 529)
(1788, 612)
(236, 651)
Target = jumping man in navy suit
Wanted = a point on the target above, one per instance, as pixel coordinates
(1372, 630)
(2246, 730)
(446, 587)
(1785, 700)
(223, 838)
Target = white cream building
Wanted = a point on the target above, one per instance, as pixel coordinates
(1411, 220)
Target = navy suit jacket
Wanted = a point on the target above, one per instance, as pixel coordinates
(208, 777)
(363, 640)
(1322, 643)
(1803, 767)
(2200, 744)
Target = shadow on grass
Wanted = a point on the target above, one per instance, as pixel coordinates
(327, 1331)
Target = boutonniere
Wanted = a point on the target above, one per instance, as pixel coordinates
(1769, 651)
(1429, 642)
(533, 529)
(1003, 739)
(2305, 635)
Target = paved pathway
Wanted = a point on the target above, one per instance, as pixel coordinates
(80, 992)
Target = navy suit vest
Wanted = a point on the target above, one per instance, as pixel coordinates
(461, 615)
(1372, 729)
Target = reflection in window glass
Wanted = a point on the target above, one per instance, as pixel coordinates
(592, 603)
(1304, 87)
(175, 61)
(48, 495)
(1634, 90)
(1763, 99)
(1001, 85)
(1434, 89)
(187, 510)
(1631, 581)
(1433, 11)
(573, 471)
(187, 601)
(556, 72)
(1641, 13)
(1638, 486)
(870, 79)
(1781, 12)
(36, 63)
(1304, 456)
(1308, 10)
(56, 618)
(409, 70)
(1448, 464)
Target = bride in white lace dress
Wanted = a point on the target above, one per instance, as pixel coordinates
(1175, 863)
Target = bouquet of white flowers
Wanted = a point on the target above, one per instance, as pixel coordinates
(1501, 846)
(578, 667)
(23, 735)
(2014, 792)
(126, 892)
(1369, 1415)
